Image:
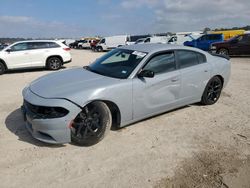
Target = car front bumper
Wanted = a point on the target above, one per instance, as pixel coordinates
(55, 130)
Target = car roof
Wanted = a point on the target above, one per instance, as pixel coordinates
(156, 47)
(39, 41)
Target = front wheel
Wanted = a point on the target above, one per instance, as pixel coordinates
(212, 91)
(54, 63)
(2, 68)
(91, 124)
(223, 51)
(99, 49)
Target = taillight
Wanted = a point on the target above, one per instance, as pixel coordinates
(66, 49)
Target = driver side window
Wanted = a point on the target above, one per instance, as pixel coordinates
(19, 47)
(162, 63)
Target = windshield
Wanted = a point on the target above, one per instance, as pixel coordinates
(118, 63)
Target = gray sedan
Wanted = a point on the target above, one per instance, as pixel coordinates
(125, 85)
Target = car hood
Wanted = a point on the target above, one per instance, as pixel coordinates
(70, 83)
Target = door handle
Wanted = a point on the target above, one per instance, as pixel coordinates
(26, 53)
(205, 70)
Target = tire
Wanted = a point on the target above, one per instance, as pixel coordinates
(54, 63)
(91, 124)
(99, 49)
(212, 91)
(2, 68)
(223, 51)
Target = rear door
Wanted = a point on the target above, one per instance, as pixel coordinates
(160, 93)
(195, 73)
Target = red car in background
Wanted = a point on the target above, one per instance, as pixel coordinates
(93, 44)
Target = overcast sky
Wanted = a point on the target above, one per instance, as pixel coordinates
(75, 18)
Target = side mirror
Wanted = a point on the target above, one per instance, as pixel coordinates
(146, 73)
(8, 50)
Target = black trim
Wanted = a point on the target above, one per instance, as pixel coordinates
(220, 55)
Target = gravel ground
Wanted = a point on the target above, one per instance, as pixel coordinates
(195, 146)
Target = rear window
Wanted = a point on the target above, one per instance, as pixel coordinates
(214, 37)
(201, 58)
(187, 58)
(42, 45)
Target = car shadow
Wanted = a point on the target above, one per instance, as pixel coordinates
(15, 123)
(26, 70)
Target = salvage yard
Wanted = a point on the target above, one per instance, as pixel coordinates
(203, 146)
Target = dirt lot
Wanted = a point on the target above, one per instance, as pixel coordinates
(195, 146)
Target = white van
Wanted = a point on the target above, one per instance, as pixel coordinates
(154, 39)
(108, 43)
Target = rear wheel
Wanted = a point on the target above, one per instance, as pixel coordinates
(2, 68)
(212, 91)
(91, 124)
(54, 63)
(223, 51)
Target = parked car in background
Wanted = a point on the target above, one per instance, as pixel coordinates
(180, 39)
(123, 86)
(229, 33)
(239, 45)
(108, 43)
(204, 42)
(132, 39)
(2, 46)
(154, 39)
(84, 44)
(37, 53)
(75, 44)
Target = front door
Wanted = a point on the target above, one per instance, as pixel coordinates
(17, 56)
(160, 93)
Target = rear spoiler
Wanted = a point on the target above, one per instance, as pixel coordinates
(219, 55)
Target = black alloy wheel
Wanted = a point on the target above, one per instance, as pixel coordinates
(2, 68)
(223, 51)
(91, 124)
(212, 91)
(54, 63)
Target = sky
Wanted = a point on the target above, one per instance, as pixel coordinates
(78, 18)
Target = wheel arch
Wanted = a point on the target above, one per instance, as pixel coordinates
(115, 112)
(5, 65)
(220, 77)
(58, 56)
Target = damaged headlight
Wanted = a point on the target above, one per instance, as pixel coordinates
(45, 112)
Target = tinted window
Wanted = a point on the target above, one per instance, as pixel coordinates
(201, 58)
(118, 63)
(213, 37)
(204, 37)
(187, 58)
(19, 47)
(147, 40)
(42, 45)
(162, 63)
(52, 45)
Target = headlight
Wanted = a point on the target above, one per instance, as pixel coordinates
(44, 112)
